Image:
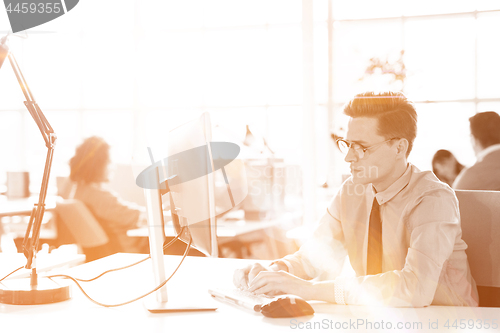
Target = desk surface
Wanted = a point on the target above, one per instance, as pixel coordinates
(193, 279)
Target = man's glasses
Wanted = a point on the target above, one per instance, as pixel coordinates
(360, 150)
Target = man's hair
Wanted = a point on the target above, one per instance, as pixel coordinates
(485, 127)
(396, 115)
(90, 161)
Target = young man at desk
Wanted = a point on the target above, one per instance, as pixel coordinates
(399, 226)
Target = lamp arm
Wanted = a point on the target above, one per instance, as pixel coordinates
(33, 108)
(31, 238)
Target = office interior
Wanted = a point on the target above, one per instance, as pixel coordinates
(273, 75)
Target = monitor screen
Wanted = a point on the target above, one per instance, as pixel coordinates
(190, 170)
(190, 181)
(187, 181)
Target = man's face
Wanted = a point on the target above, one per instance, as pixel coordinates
(379, 162)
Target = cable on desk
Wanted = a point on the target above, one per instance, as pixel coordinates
(136, 263)
(6, 276)
(135, 299)
(114, 269)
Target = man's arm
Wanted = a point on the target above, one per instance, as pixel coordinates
(322, 256)
(106, 205)
(434, 225)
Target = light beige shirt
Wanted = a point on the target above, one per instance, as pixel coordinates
(424, 260)
(488, 150)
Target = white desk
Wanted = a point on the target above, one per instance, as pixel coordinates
(193, 279)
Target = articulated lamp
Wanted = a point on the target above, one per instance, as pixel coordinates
(34, 290)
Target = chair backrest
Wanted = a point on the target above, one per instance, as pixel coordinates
(80, 222)
(480, 219)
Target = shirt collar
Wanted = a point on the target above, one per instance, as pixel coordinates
(486, 151)
(395, 188)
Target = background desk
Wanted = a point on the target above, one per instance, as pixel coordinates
(193, 279)
(14, 217)
(23, 206)
(237, 237)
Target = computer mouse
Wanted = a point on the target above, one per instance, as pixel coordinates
(286, 306)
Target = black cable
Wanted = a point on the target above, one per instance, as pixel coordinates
(136, 263)
(135, 299)
(6, 276)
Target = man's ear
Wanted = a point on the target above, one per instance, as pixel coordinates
(402, 147)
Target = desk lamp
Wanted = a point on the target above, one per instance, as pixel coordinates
(34, 291)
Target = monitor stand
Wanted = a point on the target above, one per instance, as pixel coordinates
(184, 305)
(158, 301)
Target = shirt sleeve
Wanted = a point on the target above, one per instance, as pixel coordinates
(107, 206)
(323, 255)
(433, 223)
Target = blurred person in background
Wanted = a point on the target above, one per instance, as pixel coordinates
(485, 139)
(445, 166)
(90, 171)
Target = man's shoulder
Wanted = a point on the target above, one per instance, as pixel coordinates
(489, 162)
(421, 182)
(430, 199)
(425, 183)
(425, 179)
(483, 175)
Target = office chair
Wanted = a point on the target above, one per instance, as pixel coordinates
(76, 221)
(480, 218)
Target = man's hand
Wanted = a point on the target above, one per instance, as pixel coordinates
(242, 277)
(281, 282)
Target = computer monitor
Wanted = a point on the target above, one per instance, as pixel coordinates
(187, 175)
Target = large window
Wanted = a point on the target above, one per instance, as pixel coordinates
(135, 68)
(449, 57)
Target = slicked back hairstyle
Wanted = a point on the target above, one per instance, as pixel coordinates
(396, 115)
(89, 165)
(485, 127)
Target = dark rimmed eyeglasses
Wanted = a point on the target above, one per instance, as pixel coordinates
(360, 150)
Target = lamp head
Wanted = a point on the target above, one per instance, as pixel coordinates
(4, 50)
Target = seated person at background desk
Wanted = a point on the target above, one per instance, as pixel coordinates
(485, 138)
(445, 166)
(399, 226)
(89, 173)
